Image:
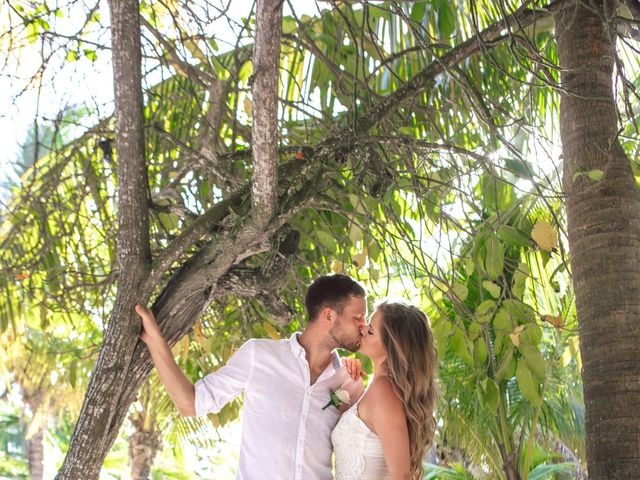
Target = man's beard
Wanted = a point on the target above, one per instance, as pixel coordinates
(341, 340)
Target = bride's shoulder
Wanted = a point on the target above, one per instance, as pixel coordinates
(382, 393)
(382, 405)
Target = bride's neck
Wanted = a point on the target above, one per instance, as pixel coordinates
(380, 368)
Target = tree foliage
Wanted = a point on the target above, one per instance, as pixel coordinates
(418, 151)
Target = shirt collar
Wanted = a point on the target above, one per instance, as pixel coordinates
(298, 351)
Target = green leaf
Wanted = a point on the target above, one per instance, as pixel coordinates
(532, 335)
(494, 258)
(489, 394)
(513, 236)
(595, 175)
(503, 324)
(90, 54)
(417, 12)
(72, 56)
(469, 266)
(507, 366)
(480, 352)
(527, 384)
(73, 373)
(520, 312)
(491, 287)
(462, 346)
(484, 311)
(519, 279)
(327, 240)
(474, 329)
(446, 18)
(535, 362)
(460, 291)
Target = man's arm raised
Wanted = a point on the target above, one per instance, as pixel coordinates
(178, 386)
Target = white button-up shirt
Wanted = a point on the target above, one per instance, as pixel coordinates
(286, 434)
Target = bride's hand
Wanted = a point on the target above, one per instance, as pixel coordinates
(354, 368)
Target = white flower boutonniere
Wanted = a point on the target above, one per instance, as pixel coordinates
(338, 398)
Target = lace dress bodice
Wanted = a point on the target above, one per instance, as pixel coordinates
(357, 449)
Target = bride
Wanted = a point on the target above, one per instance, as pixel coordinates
(386, 433)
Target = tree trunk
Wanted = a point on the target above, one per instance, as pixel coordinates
(604, 238)
(264, 137)
(144, 444)
(90, 442)
(34, 443)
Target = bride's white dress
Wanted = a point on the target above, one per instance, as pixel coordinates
(357, 449)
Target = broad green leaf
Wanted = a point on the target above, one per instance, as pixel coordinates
(327, 240)
(446, 18)
(494, 259)
(503, 323)
(460, 291)
(520, 312)
(491, 287)
(532, 335)
(528, 385)
(469, 266)
(507, 365)
(595, 175)
(474, 329)
(489, 394)
(519, 279)
(513, 236)
(485, 310)
(462, 346)
(534, 361)
(480, 352)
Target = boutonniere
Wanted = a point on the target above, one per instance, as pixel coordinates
(338, 398)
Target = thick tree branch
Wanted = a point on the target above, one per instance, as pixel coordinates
(266, 61)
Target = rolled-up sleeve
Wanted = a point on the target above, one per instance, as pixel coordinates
(220, 387)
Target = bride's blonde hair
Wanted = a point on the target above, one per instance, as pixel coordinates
(411, 364)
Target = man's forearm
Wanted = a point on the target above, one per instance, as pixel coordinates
(178, 386)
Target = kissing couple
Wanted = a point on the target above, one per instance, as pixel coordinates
(302, 402)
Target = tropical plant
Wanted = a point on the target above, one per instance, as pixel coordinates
(418, 143)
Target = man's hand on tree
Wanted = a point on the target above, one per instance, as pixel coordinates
(150, 332)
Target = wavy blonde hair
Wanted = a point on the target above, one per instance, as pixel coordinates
(411, 364)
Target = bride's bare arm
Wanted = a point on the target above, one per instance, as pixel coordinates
(385, 415)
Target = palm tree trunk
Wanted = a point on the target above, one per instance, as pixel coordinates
(34, 444)
(143, 446)
(35, 454)
(604, 238)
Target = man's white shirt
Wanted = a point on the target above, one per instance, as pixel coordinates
(286, 434)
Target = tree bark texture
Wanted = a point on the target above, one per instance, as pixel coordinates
(604, 238)
(144, 444)
(264, 143)
(90, 442)
(35, 443)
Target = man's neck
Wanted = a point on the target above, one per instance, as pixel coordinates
(317, 352)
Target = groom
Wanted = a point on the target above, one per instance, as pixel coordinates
(286, 432)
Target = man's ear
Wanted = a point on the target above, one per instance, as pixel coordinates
(327, 315)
